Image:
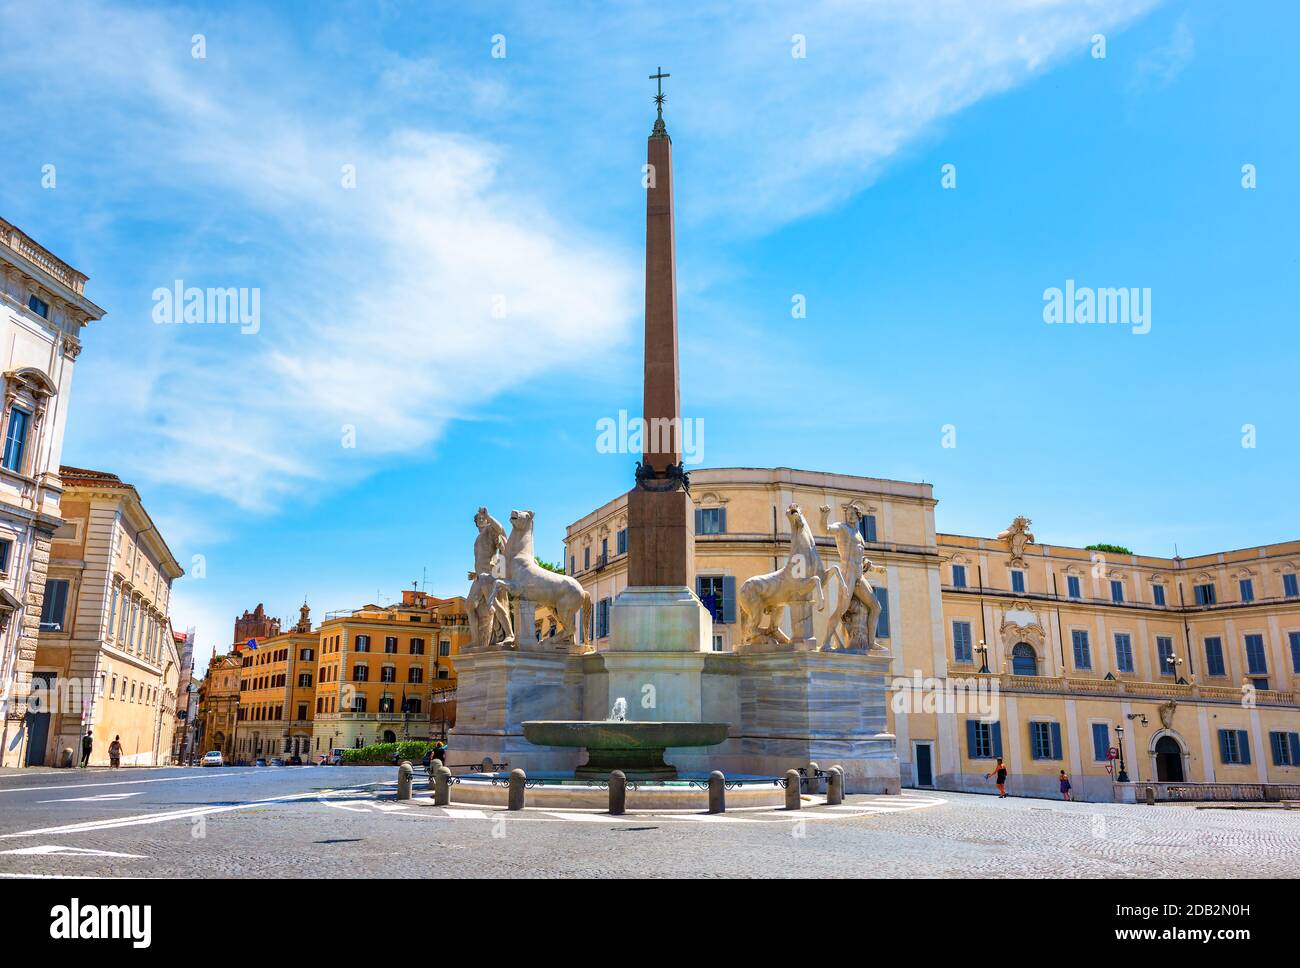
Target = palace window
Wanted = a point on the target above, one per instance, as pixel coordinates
(39, 306)
(867, 527)
(417, 646)
(1286, 748)
(360, 672)
(983, 740)
(386, 704)
(359, 703)
(304, 679)
(1082, 651)
(621, 541)
(362, 643)
(961, 642)
(1045, 741)
(573, 564)
(1072, 586)
(306, 655)
(958, 576)
(602, 618)
(1123, 652)
(1290, 585)
(413, 705)
(388, 674)
(55, 606)
(604, 550)
(882, 623)
(1247, 588)
(6, 547)
(390, 644)
(1234, 747)
(444, 673)
(16, 439)
(1214, 657)
(710, 520)
(1256, 661)
(1165, 655)
(415, 674)
(1024, 660)
(1294, 639)
(1204, 594)
(1117, 591)
(1100, 742)
(444, 648)
(1017, 580)
(718, 593)
(1158, 594)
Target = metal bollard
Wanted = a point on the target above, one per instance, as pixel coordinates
(441, 786)
(1151, 796)
(404, 781)
(792, 801)
(517, 780)
(717, 792)
(618, 792)
(835, 786)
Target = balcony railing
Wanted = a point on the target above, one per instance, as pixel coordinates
(1132, 688)
(17, 240)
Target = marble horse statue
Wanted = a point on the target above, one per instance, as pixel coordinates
(529, 581)
(760, 598)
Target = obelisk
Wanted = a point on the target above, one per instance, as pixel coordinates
(661, 531)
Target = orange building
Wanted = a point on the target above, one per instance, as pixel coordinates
(277, 692)
(387, 673)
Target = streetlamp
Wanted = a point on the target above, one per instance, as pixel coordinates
(983, 650)
(1123, 773)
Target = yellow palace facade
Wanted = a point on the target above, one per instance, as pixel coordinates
(1181, 673)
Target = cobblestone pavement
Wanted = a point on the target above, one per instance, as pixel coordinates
(322, 822)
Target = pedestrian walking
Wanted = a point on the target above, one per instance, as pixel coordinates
(1065, 786)
(115, 752)
(1001, 771)
(87, 742)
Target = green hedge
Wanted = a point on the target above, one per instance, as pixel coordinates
(412, 750)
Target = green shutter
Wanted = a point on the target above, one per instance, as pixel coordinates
(972, 741)
(1056, 741)
(997, 739)
(728, 599)
(882, 623)
(1224, 753)
(1243, 746)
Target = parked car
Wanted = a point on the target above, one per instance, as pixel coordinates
(260, 761)
(278, 761)
(295, 760)
(212, 758)
(333, 758)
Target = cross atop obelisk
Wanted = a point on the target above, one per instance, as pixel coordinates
(660, 130)
(661, 532)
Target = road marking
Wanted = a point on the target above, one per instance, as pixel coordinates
(65, 850)
(96, 797)
(77, 786)
(152, 818)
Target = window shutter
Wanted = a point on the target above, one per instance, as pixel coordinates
(997, 739)
(699, 521)
(1275, 740)
(882, 623)
(1033, 741)
(722, 520)
(1224, 755)
(1294, 739)
(728, 598)
(971, 740)
(1056, 741)
(1243, 744)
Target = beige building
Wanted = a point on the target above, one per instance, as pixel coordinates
(106, 641)
(43, 308)
(1193, 662)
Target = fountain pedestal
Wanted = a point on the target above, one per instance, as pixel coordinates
(636, 748)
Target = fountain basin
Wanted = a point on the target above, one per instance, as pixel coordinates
(636, 748)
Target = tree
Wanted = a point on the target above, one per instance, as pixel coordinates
(558, 569)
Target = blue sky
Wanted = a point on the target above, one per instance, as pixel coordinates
(519, 176)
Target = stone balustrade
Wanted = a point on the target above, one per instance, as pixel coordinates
(1133, 688)
(17, 240)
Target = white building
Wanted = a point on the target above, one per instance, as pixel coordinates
(42, 310)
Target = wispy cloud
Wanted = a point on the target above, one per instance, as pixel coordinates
(1161, 66)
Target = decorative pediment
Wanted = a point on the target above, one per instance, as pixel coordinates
(1020, 623)
(710, 499)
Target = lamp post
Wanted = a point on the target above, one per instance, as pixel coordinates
(983, 650)
(1123, 773)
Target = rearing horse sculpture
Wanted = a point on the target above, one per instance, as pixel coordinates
(528, 580)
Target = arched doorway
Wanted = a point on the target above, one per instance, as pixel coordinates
(1024, 660)
(390, 736)
(1169, 760)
